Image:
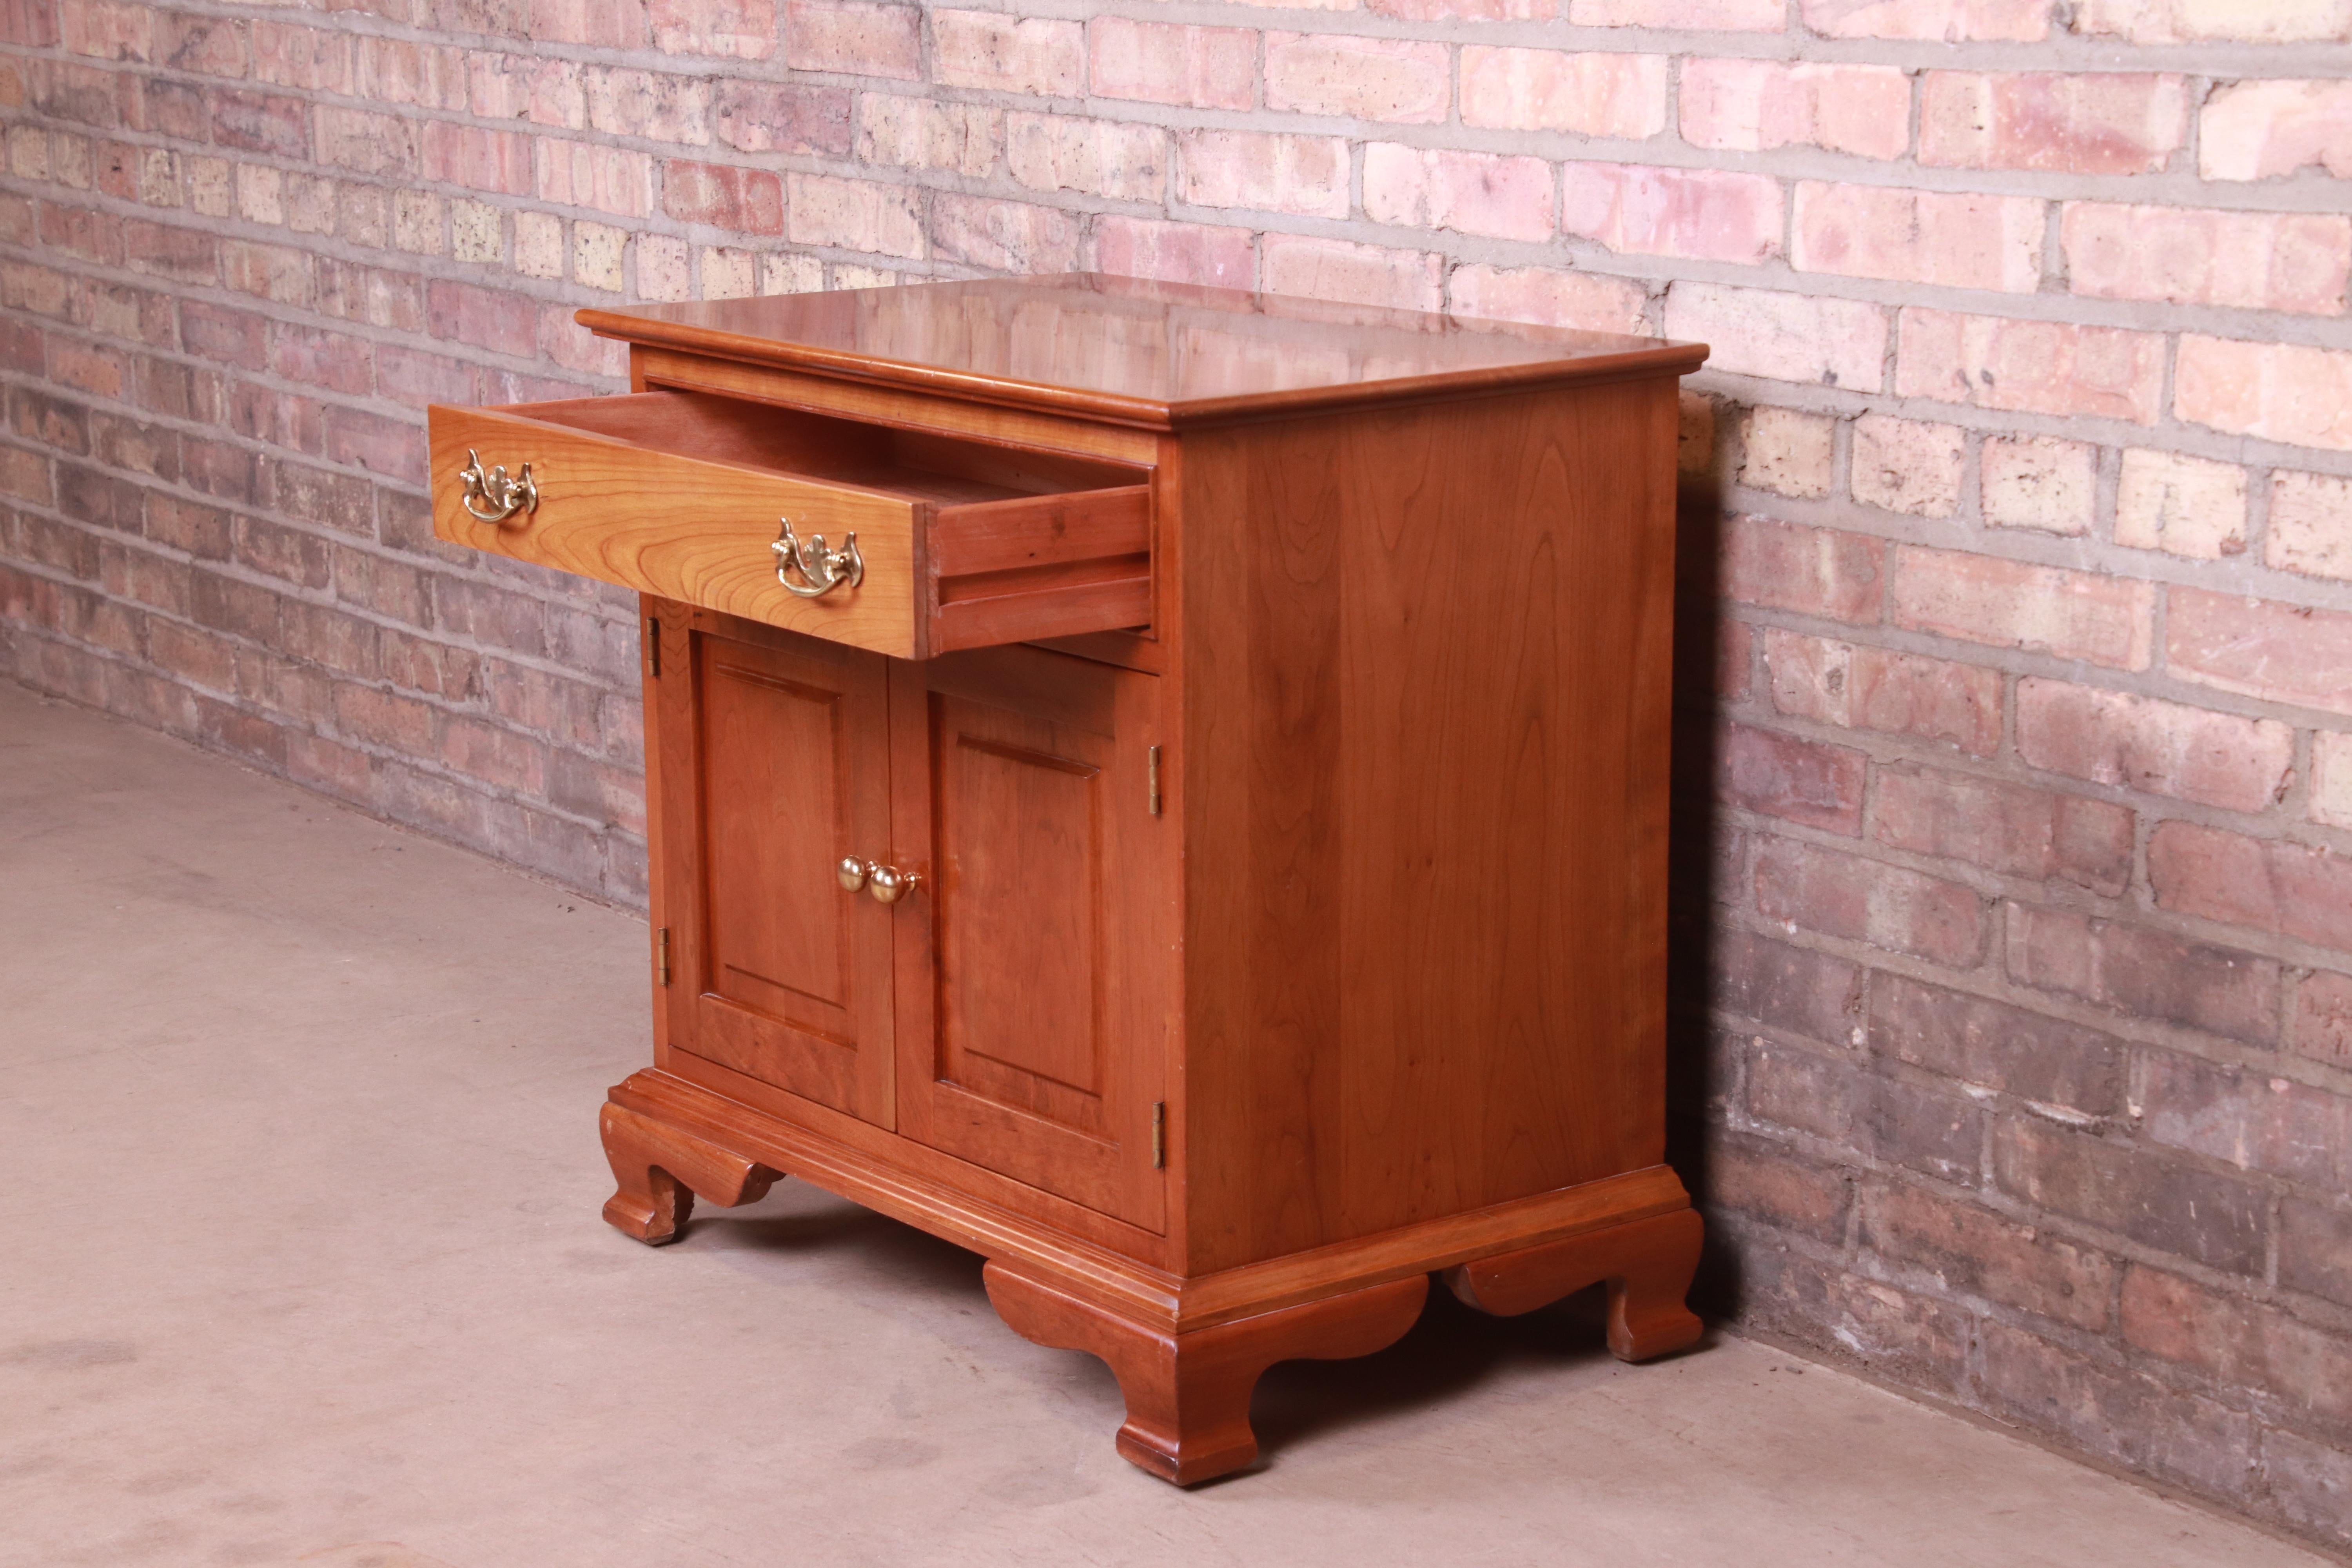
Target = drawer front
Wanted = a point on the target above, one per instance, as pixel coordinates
(680, 527)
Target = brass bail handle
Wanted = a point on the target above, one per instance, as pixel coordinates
(821, 569)
(502, 496)
(887, 883)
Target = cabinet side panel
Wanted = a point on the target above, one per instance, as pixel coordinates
(1428, 682)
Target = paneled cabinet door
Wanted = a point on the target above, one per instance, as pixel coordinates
(1036, 955)
(774, 767)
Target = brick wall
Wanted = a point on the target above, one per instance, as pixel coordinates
(2016, 895)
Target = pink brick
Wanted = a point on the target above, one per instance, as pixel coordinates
(1754, 106)
(2269, 885)
(1356, 274)
(1391, 79)
(393, 71)
(378, 145)
(2258, 129)
(308, 57)
(1302, 174)
(600, 24)
(853, 215)
(1579, 299)
(1797, 780)
(1864, 900)
(748, 201)
(2279, 392)
(2280, 653)
(730, 29)
(1102, 157)
(1735, 660)
(1812, 571)
(855, 40)
(1038, 55)
(1936, 21)
(2148, 973)
(491, 318)
(1203, 68)
(481, 159)
(1618, 96)
(1783, 337)
(1857, 687)
(2104, 123)
(1703, 213)
(1454, 10)
(1005, 236)
(1692, 15)
(2204, 21)
(585, 174)
(2331, 778)
(2038, 482)
(1789, 453)
(1908, 465)
(2031, 367)
(2183, 505)
(2311, 526)
(2162, 748)
(1997, 825)
(2254, 261)
(1176, 252)
(2323, 1020)
(2008, 603)
(103, 30)
(1919, 237)
(2259, 1122)
(1470, 192)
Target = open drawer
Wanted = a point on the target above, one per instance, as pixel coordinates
(751, 510)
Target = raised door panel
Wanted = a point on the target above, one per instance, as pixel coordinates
(779, 972)
(1036, 970)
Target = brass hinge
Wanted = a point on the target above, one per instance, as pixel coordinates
(653, 647)
(661, 955)
(1155, 781)
(1158, 1134)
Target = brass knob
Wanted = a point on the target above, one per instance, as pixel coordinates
(888, 884)
(852, 873)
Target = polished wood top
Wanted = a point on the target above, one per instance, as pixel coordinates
(1139, 353)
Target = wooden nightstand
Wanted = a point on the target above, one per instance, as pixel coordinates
(1164, 788)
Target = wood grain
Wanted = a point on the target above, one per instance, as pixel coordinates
(1034, 995)
(681, 495)
(652, 366)
(1647, 1265)
(686, 528)
(1188, 1394)
(775, 765)
(662, 1170)
(1389, 595)
(1127, 350)
(1424, 941)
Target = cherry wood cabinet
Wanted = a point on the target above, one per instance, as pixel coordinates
(1164, 788)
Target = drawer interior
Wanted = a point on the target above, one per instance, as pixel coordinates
(944, 471)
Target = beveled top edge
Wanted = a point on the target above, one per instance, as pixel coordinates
(1136, 351)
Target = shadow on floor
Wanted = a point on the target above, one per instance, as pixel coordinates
(1452, 1349)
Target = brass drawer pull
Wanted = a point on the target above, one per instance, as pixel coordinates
(504, 496)
(887, 883)
(821, 569)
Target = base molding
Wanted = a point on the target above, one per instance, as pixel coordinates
(1187, 1351)
(1188, 1394)
(1647, 1265)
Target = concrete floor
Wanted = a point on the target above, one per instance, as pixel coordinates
(297, 1122)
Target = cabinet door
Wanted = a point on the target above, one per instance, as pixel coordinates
(1035, 966)
(775, 765)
